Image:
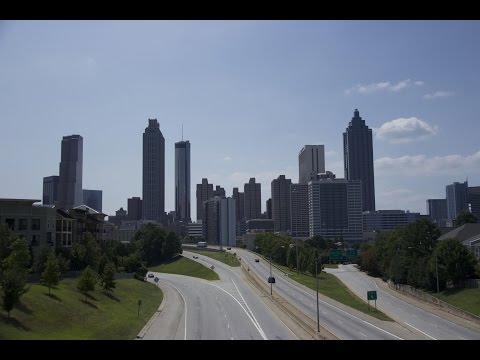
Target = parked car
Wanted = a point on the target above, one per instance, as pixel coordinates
(256, 260)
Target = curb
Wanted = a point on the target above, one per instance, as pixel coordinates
(149, 323)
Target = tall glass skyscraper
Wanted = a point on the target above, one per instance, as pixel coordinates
(358, 158)
(153, 172)
(71, 170)
(182, 180)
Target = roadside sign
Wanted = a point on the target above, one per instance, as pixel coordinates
(336, 254)
(156, 279)
(371, 295)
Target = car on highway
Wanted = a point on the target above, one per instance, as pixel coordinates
(229, 248)
(195, 256)
(256, 260)
(150, 275)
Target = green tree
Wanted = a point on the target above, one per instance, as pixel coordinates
(102, 263)
(87, 281)
(13, 286)
(455, 262)
(291, 257)
(92, 251)
(172, 246)
(6, 240)
(107, 278)
(465, 217)
(41, 257)
(19, 256)
(149, 241)
(51, 274)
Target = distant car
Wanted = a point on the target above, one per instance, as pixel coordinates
(195, 256)
(229, 248)
(256, 260)
(150, 275)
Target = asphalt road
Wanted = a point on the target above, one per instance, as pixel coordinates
(425, 323)
(344, 322)
(215, 310)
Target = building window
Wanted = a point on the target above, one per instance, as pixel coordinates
(22, 224)
(49, 238)
(10, 223)
(35, 224)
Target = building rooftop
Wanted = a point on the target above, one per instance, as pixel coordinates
(461, 233)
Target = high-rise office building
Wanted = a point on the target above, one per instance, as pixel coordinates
(268, 207)
(311, 161)
(71, 169)
(50, 190)
(281, 203)
(93, 199)
(456, 199)
(219, 221)
(358, 158)
(335, 208)
(253, 200)
(239, 198)
(153, 199)
(219, 191)
(437, 210)
(134, 207)
(299, 210)
(182, 180)
(473, 199)
(204, 192)
(385, 220)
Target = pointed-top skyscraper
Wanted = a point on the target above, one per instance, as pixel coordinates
(153, 201)
(71, 169)
(358, 158)
(182, 180)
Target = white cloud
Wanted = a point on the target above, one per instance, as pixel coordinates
(405, 130)
(330, 153)
(401, 199)
(382, 86)
(438, 94)
(415, 165)
(227, 158)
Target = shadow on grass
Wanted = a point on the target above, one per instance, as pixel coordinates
(165, 262)
(13, 322)
(450, 291)
(91, 297)
(89, 303)
(53, 296)
(110, 296)
(23, 308)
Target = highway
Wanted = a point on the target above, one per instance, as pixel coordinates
(215, 310)
(344, 322)
(419, 320)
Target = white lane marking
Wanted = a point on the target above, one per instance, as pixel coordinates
(431, 337)
(461, 337)
(259, 329)
(185, 337)
(324, 312)
(362, 334)
(385, 331)
(341, 322)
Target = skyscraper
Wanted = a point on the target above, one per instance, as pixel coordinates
(299, 210)
(50, 190)
(93, 199)
(239, 198)
(204, 192)
(182, 180)
(456, 199)
(358, 158)
(281, 204)
(311, 161)
(71, 169)
(134, 208)
(437, 210)
(219, 221)
(153, 199)
(253, 200)
(473, 199)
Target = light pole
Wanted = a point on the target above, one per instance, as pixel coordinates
(271, 284)
(316, 278)
(436, 264)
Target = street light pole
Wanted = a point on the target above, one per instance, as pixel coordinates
(436, 269)
(316, 277)
(298, 269)
(271, 284)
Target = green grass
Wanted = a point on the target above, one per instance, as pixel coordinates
(329, 285)
(331, 266)
(65, 315)
(465, 299)
(183, 266)
(223, 256)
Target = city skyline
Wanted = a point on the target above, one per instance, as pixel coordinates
(250, 94)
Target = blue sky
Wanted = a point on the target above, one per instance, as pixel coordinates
(250, 94)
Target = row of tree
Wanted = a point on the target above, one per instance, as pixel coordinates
(151, 245)
(412, 255)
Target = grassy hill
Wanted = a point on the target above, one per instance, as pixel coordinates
(183, 266)
(65, 315)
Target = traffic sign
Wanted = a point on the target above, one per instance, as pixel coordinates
(371, 295)
(156, 279)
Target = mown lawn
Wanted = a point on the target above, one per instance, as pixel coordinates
(183, 266)
(65, 314)
(329, 285)
(224, 256)
(466, 299)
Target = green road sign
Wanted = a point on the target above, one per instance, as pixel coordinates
(336, 254)
(351, 254)
(371, 295)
